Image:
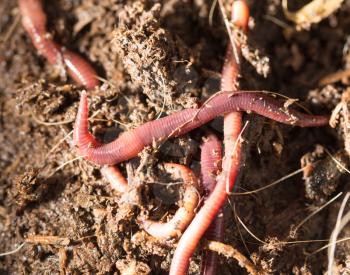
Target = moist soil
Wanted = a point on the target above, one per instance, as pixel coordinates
(155, 58)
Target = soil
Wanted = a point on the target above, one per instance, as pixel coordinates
(158, 57)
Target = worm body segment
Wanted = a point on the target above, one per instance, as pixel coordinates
(240, 14)
(80, 70)
(211, 155)
(186, 211)
(115, 177)
(229, 81)
(130, 143)
(194, 232)
(34, 22)
(232, 128)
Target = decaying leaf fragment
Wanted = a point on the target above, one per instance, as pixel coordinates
(313, 12)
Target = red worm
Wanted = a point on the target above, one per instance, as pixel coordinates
(79, 69)
(240, 14)
(232, 128)
(210, 167)
(34, 21)
(233, 120)
(194, 232)
(115, 177)
(186, 211)
(230, 69)
(229, 82)
(130, 143)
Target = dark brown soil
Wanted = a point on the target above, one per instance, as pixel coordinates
(159, 57)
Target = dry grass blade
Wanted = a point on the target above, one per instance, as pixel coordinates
(39, 239)
(247, 229)
(37, 120)
(276, 21)
(53, 149)
(296, 172)
(315, 212)
(228, 28)
(13, 251)
(65, 164)
(211, 13)
(339, 225)
(233, 207)
(337, 161)
(328, 245)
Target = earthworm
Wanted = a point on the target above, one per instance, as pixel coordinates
(232, 127)
(130, 143)
(115, 177)
(194, 232)
(229, 82)
(240, 14)
(186, 211)
(80, 70)
(210, 167)
(34, 22)
(230, 69)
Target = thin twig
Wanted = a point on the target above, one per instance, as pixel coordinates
(228, 28)
(230, 252)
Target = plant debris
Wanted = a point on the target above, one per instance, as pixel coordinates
(311, 13)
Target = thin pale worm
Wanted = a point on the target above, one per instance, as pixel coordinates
(130, 143)
(174, 228)
(34, 22)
